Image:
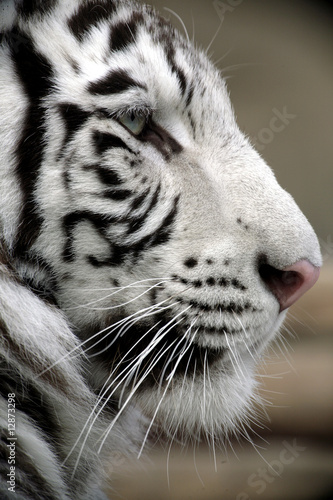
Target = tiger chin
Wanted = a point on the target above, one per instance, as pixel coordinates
(147, 253)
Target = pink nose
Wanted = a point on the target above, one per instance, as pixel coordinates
(291, 283)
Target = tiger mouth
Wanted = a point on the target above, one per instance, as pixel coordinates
(158, 353)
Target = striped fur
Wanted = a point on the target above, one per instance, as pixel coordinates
(134, 217)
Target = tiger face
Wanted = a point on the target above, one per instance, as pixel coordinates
(147, 216)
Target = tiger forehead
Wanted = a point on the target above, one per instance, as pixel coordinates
(110, 47)
(125, 21)
(146, 46)
(145, 37)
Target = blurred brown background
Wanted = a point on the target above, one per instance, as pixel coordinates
(277, 55)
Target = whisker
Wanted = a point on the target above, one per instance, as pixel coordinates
(302, 323)
(214, 37)
(172, 355)
(222, 57)
(204, 383)
(236, 366)
(182, 390)
(138, 361)
(196, 466)
(180, 20)
(247, 337)
(206, 373)
(107, 329)
(134, 284)
(104, 390)
(142, 379)
(110, 308)
(168, 459)
(234, 67)
(169, 379)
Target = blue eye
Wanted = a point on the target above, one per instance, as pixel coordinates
(134, 122)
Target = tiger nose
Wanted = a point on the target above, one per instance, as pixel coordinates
(290, 283)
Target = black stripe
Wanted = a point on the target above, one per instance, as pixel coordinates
(34, 70)
(113, 83)
(43, 283)
(124, 33)
(170, 53)
(89, 15)
(192, 123)
(35, 405)
(118, 252)
(139, 200)
(161, 140)
(163, 233)
(74, 118)
(35, 74)
(14, 39)
(42, 291)
(189, 96)
(181, 77)
(158, 237)
(104, 141)
(137, 222)
(117, 194)
(106, 175)
(100, 222)
(31, 7)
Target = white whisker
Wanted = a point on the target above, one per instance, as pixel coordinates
(204, 384)
(246, 343)
(152, 310)
(196, 466)
(222, 57)
(117, 306)
(169, 379)
(142, 379)
(236, 366)
(104, 390)
(168, 459)
(134, 284)
(142, 355)
(177, 410)
(214, 37)
(136, 362)
(180, 20)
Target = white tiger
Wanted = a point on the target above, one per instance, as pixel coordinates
(148, 255)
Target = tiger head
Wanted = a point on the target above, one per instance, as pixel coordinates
(131, 200)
